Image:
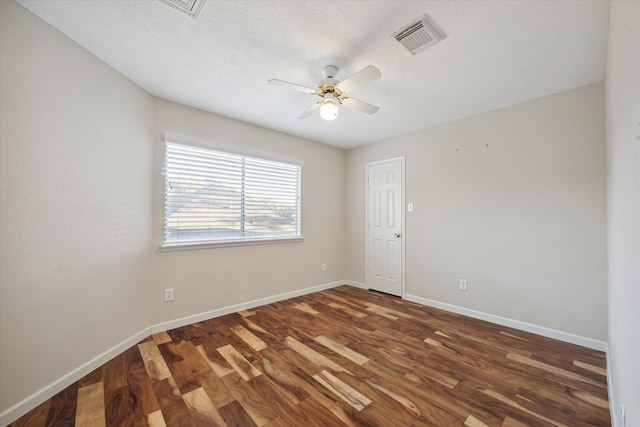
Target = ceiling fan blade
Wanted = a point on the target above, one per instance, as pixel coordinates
(309, 111)
(362, 77)
(359, 105)
(293, 86)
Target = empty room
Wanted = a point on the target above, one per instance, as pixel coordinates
(319, 213)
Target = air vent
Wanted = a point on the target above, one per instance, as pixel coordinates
(190, 7)
(418, 36)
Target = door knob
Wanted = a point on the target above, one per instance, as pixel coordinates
(397, 235)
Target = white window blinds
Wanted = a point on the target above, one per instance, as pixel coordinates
(220, 197)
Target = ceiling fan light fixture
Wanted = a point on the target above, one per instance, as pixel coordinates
(329, 109)
(333, 92)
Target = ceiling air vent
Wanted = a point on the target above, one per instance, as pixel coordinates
(418, 36)
(190, 7)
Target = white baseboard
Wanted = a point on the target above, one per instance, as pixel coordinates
(613, 401)
(19, 409)
(355, 284)
(517, 324)
(183, 321)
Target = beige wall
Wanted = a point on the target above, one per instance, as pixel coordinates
(209, 279)
(623, 154)
(513, 201)
(75, 177)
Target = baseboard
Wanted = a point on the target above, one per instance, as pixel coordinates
(19, 409)
(517, 324)
(187, 320)
(355, 284)
(613, 401)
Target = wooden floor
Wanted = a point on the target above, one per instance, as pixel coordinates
(341, 357)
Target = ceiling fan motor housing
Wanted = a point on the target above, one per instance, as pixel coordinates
(328, 85)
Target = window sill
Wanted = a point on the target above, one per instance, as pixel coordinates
(169, 247)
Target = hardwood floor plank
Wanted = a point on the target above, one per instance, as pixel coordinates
(283, 382)
(473, 421)
(142, 388)
(316, 393)
(317, 415)
(591, 368)
(241, 365)
(161, 338)
(380, 311)
(215, 389)
(496, 345)
(559, 397)
(62, 408)
(516, 405)
(353, 397)
(174, 410)
(254, 342)
(342, 350)
(339, 357)
(255, 327)
(551, 369)
(312, 355)
(283, 404)
(154, 363)
(90, 411)
(155, 419)
(92, 378)
(254, 403)
(593, 400)
(192, 357)
(283, 373)
(404, 401)
(354, 303)
(221, 369)
(36, 417)
(305, 308)
(235, 415)
(114, 373)
(202, 410)
(419, 376)
(510, 422)
(185, 376)
(347, 310)
(121, 407)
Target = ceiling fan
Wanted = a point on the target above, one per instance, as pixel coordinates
(334, 92)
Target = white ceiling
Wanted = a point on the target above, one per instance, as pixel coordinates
(495, 54)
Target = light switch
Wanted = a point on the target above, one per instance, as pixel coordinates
(410, 207)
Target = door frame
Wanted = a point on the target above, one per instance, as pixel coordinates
(403, 211)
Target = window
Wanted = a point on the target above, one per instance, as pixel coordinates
(218, 198)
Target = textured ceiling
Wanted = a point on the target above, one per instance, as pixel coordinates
(495, 54)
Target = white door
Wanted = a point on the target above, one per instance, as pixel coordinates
(385, 190)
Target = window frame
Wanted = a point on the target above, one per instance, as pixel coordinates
(244, 241)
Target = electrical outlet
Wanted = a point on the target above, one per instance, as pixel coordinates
(168, 294)
(323, 267)
(463, 284)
